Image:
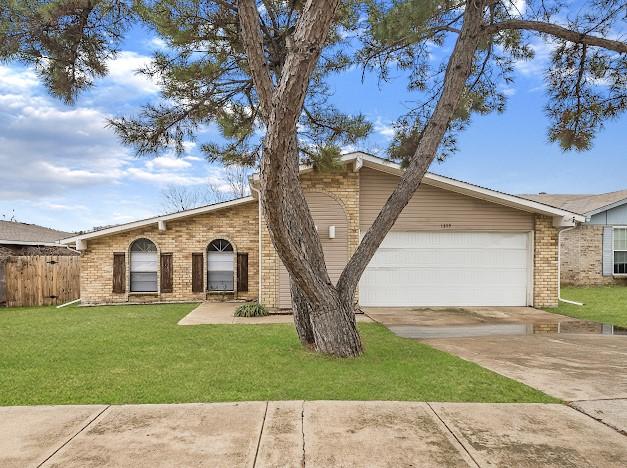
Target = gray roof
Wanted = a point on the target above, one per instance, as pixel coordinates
(23, 232)
(579, 203)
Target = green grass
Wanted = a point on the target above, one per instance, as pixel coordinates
(137, 354)
(607, 304)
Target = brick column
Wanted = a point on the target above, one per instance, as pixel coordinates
(545, 292)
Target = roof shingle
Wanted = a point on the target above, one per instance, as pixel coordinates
(578, 203)
(23, 232)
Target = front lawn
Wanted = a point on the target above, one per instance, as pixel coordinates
(606, 304)
(137, 354)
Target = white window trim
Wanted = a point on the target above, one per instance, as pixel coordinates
(130, 269)
(233, 253)
(614, 250)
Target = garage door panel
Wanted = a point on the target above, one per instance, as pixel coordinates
(448, 269)
(402, 258)
(455, 240)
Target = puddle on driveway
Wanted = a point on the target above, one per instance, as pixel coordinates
(542, 328)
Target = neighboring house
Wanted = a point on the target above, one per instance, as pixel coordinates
(455, 244)
(593, 253)
(30, 239)
(27, 274)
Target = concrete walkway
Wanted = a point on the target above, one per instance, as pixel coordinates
(221, 313)
(313, 434)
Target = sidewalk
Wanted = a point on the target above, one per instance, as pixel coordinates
(313, 434)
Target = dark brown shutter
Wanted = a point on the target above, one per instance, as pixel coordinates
(166, 272)
(198, 272)
(119, 272)
(242, 272)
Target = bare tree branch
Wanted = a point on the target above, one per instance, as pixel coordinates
(561, 32)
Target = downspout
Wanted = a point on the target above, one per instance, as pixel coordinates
(252, 187)
(559, 268)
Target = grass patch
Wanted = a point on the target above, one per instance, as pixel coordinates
(137, 354)
(607, 304)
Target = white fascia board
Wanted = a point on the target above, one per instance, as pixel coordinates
(35, 243)
(157, 219)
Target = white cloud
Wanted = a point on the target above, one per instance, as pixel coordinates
(156, 43)
(165, 162)
(47, 148)
(542, 50)
(508, 91)
(164, 178)
(516, 7)
(16, 80)
(61, 206)
(384, 128)
(123, 71)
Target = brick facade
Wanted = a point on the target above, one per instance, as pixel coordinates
(238, 224)
(545, 284)
(582, 257)
(344, 187)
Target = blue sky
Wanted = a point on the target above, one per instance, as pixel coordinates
(61, 167)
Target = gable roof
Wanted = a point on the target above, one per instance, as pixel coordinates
(585, 204)
(361, 159)
(358, 159)
(15, 233)
(156, 220)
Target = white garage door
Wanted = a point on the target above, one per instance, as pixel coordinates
(448, 269)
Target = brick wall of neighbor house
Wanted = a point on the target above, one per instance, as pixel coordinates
(582, 257)
(545, 292)
(344, 186)
(238, 224)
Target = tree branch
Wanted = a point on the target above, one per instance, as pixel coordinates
(457, 73)
(286, 211)
(253, 42)
(561, 32)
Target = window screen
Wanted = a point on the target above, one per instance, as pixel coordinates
(220, 266)
(144, 266)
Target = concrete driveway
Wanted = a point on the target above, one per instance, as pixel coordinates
(312, 434)
(564, 357)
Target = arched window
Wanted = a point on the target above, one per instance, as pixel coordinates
(220, 266)
(144, 266)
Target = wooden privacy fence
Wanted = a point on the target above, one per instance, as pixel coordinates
(39, 280)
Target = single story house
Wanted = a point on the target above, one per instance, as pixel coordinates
(30, 239)
(595, 252)
(24, 248)
(455, 244)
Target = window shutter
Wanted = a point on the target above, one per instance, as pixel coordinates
(608, 251)
(198, 272)
(166, 272)
(119, 272)
(242, 272)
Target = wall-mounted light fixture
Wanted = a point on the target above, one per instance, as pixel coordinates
(331, 232)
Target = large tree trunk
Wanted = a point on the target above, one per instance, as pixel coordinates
(335, 327)
(287, 214)
(329, 309)
(301, 310)
(329, 327)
